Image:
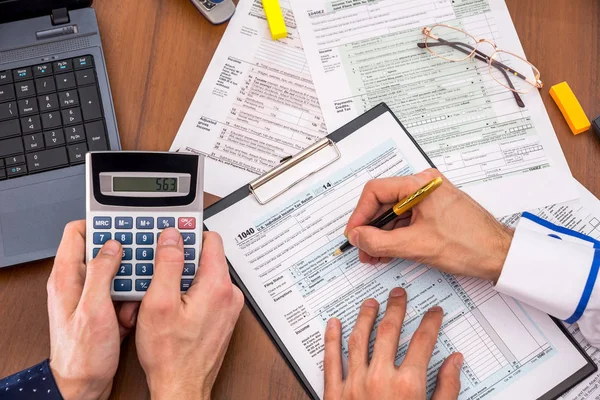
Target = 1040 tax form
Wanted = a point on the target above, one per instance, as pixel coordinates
(282, 255)
(256, 104)
(361, 53)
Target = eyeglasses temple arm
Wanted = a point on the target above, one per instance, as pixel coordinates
(482, 57)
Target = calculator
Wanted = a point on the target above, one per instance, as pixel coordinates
(131, 197)
(216, 11)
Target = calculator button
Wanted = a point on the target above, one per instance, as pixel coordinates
(144, 223)
(141, 285)
(122, 285)
(144, 238)
(124, 237)
(102, 223)
(124, 270)
(96, 251)
(123, 222)
(186, 223)
(127, 254)
(101, 237)
(188, 238)
(144, 254)
(165, 222)
(185, 284)
(189, 254)
(144, 269)
(189, 269)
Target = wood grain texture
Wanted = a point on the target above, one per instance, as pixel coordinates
(157, 52)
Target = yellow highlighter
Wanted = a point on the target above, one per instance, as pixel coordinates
(570, 108)
(275, 19)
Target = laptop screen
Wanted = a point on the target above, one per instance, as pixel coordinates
(13, 10)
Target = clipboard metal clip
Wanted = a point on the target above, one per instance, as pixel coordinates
(295, 169)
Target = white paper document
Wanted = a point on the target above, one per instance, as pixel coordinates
(282, 252)
(363, 52)
(583, 216)
(256, 103)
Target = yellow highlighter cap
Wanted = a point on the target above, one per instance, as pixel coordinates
(275, 19)
(570, 108)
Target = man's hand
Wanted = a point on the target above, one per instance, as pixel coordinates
(182, 339)
(85, 328)
(448, 230)
(379, 378)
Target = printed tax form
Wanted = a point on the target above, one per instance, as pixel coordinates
(361, 53)
(282, 252)
(256, 104)
(583, 216)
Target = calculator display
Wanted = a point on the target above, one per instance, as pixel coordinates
(144, 184)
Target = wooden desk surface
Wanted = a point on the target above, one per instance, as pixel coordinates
(157, 52)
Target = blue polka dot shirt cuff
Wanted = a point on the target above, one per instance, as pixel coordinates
(32, 383)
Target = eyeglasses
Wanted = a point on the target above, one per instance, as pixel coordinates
(454, 44)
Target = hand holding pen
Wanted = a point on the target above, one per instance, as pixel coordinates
(447, 230)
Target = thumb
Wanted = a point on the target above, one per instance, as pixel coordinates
(378, 242)
(100, 271)
(448, 380)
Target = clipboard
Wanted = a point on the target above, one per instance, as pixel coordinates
(292, 171)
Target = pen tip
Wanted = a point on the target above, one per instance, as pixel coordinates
(337, 252)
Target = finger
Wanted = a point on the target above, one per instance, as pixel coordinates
(127, 313)
(358, 342)
(213, 269)
(388, 330)
(100, 273)
(386, 191)
(166, 283)
(333, 359)
(423, 340)
(381, 243)
(448, 379)
(66, 281)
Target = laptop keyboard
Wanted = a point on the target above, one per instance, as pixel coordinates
(50, 116)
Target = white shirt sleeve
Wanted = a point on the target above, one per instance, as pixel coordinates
(554, 269)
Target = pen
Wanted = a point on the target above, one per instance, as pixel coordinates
(403, 206)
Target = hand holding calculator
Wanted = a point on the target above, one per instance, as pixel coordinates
(131, 197)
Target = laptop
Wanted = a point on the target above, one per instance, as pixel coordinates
(55, 105)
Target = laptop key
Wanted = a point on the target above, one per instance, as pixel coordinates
(33, 142)
(15, 160)
(74, 134)
(15, 171)
(31, 124)
(21, 74)
(45, 85)
(8, 110)
(85, 77)
(96, 137)
(2, 174)
(42, 70)
(47, 159)
(90, 103)
(65, 81)
(24, 89)
(68, 98)
(83, 62)
(77, 153)
(51, 120)
(10, 128)
(5, 77)
(48, 102)
(71, 116)
(8, 147)
(28, 106)
(7, 92)
(62, 66)
(54, 138)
